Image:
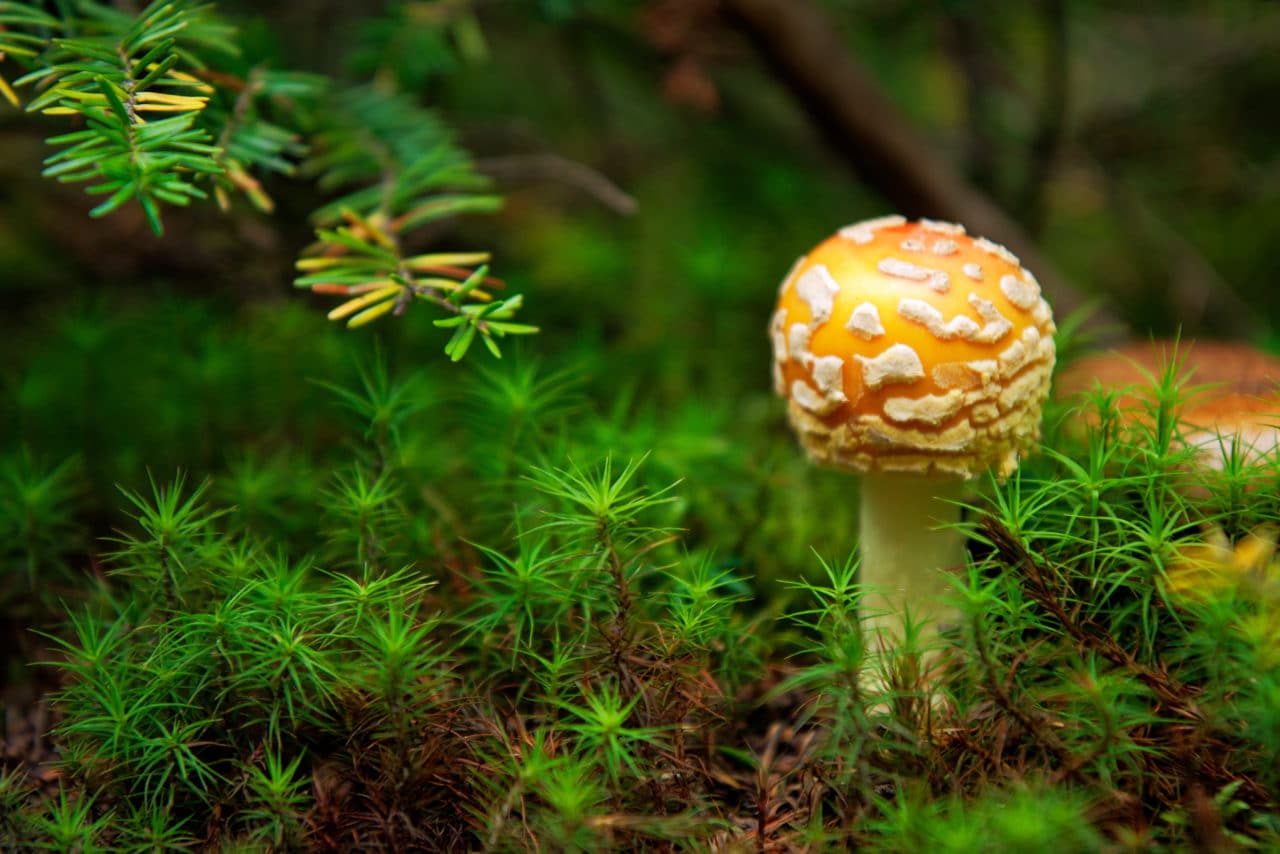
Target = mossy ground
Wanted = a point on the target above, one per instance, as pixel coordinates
(363, 601)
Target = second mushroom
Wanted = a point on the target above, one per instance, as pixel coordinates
(918, 357)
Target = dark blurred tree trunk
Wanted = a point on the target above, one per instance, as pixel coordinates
(963, 38)
(1054, 102)
(804, 50)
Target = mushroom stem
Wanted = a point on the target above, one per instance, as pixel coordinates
(908, 542)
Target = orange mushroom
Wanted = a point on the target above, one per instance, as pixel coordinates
(1238, 404)
(918, 357)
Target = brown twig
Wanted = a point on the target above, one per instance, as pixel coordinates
(1000, 694)
(553, 167)
(1175, 695)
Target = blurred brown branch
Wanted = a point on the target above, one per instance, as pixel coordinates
(983, 69)
(1113, 128)
(802, 46)
(966, 42)
(1047, 143)
(553, 167)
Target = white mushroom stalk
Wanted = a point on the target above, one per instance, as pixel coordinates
(918, 357)
(909, 541)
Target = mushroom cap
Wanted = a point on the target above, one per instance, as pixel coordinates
(1235, 399)
(912, 347)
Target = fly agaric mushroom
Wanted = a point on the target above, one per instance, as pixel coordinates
(918, 357)
(1238, 408)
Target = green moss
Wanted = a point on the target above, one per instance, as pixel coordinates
(504, 598)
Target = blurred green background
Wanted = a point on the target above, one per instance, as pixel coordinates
(660, 178)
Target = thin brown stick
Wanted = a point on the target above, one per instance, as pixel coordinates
(1000, 694)
(1170, 691)
(553, 167)
(1174, 694)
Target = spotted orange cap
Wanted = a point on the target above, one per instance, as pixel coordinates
(912, 347)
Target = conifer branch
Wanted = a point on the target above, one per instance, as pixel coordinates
(401, 172)
(167, 109)
(113, 78)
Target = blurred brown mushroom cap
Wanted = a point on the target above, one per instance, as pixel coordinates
(1234, 396)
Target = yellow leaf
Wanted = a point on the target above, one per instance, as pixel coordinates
(1215, 566)
(183, 77)
(371, 314)
(454, 259)
(370, 227)
(352, 306)
(450, 285)
(1255, 552)
(9, 95)
(193, 102)
(320, 263)
(166, 108)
